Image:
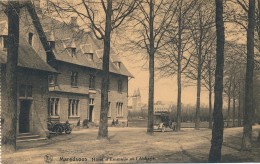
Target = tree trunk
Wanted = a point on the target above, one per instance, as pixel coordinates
(218, 125)
(239, 105)
(258, 20)
(210, 107)
(248, 111)
(210, 96)
(103, 124)
(178, 126)
(234, 101)
(229, 103)
(197, 123)
(151, 72)
(9, 116)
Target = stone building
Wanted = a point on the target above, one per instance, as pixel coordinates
(159, 108)
(75, 93)
(32, 86)
(67, 87)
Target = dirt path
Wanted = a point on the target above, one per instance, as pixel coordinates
(132, 145)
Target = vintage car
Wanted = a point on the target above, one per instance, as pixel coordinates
(163, 122)
(159, 127)
(58, 127)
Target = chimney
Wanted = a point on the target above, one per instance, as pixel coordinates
(37, 4)
(52, 40)
(74, 21)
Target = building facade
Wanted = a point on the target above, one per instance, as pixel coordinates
(69, 86)
(160, 108)
(76, 91)
(32, 89)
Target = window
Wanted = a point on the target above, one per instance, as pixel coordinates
(119, 86)
(73, 108)
(4, 41)
(74, 79)
(22, 92)
(91, 101)
(29, 91)
(25, 91)
(109, 110)
(92, 82)
(119, 109)
(52, 44)
(52, 79)
(53, 106)
(73, 52)
(90, 56)
(118, 64)
(30, 38)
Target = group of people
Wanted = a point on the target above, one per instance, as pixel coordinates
(115, 122)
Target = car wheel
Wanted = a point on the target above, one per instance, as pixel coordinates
(68, 130)
(58, 130)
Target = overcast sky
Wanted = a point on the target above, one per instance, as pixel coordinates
(166, 88)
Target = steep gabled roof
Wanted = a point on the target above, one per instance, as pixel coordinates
(85, 43)
(28, 58)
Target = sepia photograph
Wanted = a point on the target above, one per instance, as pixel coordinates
(129, 81)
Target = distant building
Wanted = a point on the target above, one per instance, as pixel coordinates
(134, 101)
(160, 108)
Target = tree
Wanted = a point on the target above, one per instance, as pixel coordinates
(175, 57)
(218, 125)
(9, 117)
(151, 22)
(115, 12)
(208, 80)
(228, 88)
(203, 38)
(249, 109)
(232, 61)
(247, 19)
(235, 61)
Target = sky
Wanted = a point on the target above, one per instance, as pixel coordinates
(166, 88)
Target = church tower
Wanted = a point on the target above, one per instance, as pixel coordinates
(136, 100)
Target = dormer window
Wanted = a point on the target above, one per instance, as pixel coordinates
(99, 54)
(118, 64)
(90, 56)
(52, 44)
(73, 52)
(72, 48)
(30, 38)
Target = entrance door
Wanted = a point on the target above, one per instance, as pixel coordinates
(91, 113)
(24, 120)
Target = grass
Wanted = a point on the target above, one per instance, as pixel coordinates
(134, 145)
